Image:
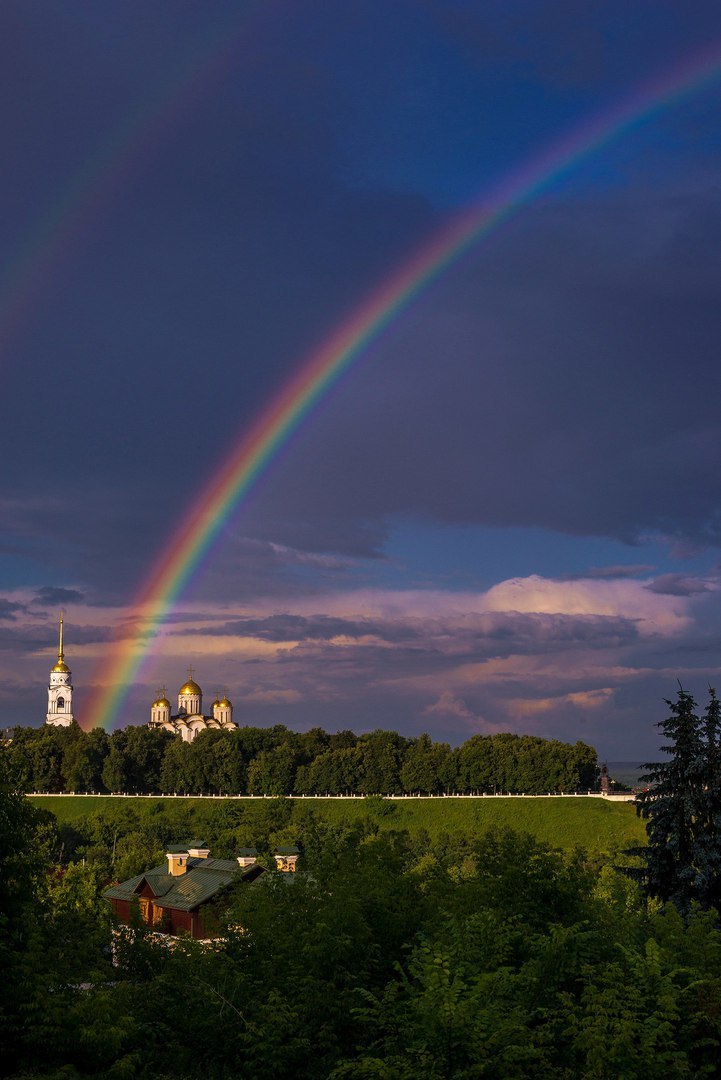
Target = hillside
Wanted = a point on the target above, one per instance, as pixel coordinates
(592, 824)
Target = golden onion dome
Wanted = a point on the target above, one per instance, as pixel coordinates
(61, 666)
(191, 687)
(224, 703)
(161, 703)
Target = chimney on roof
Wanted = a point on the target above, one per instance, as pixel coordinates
(177, 861)
(247, 856)
(198, 850)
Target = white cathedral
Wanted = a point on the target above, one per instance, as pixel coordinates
(60, 690)
(189, 720)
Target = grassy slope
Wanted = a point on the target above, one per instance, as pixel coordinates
(567, 823)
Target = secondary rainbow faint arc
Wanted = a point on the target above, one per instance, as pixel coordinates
(108, 168)
(271, 430)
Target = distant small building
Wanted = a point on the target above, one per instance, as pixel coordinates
(171, 897)
(605, 780)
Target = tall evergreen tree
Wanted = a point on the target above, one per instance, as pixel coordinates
(674, 806)
(708, 841)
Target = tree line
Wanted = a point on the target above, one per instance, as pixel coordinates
(277, 761)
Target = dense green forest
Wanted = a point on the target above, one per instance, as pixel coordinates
(277, 761)
(393, 954)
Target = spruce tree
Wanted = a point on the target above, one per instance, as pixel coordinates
(708, 839)
(674, 806)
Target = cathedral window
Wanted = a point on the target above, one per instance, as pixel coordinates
(61, 704)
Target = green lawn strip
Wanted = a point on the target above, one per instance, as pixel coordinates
(567, 823)
(592, 824)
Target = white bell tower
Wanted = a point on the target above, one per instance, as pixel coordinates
(60, 690)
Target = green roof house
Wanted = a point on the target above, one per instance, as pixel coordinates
(171, 897)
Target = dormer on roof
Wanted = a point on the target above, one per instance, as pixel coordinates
(286, 858)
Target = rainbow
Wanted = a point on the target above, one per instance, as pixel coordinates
(269, 433)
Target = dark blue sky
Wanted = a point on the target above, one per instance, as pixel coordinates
(506, 517)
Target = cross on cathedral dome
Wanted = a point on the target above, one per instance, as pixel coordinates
(191, 686)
